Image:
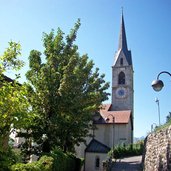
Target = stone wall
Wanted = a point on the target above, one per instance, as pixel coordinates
(157, 153)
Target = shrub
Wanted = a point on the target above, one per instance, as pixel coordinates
(129, 150)
(7, 159)
(44, 164)
(63, 161)
(57, 160)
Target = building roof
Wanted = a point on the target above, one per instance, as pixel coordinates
(106, 116)
(5, 78)
(123, 44)
(97, 147)
(122, 36)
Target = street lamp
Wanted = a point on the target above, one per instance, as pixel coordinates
(158, 105)
(158, 84)
(152, 126)
(107, 120)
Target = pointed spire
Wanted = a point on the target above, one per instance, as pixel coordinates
(122, 36)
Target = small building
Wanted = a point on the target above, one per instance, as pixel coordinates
(95, 150)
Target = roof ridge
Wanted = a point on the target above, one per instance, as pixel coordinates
(96, 148)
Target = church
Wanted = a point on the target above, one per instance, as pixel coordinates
(114, 122)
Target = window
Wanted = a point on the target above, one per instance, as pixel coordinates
(121, 78)
(121, 61)
(97, 162)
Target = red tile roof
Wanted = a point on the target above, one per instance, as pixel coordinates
(107, 116)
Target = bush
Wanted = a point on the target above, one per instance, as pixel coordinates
(129, 150)
(55, 161)
(44, 164)
(7, 159)
(64, 162)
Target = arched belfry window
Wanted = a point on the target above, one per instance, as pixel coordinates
(121, 78)
(121, 61)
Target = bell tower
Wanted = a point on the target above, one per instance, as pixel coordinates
(122, 75)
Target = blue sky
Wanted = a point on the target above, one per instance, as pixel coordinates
(148, 29)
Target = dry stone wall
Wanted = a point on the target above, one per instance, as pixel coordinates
(157, 153)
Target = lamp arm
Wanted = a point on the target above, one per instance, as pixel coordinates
(163, 72)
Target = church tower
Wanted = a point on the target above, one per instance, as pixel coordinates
(122, 75)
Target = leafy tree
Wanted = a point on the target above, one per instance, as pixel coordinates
(14, 107)
(64, 90)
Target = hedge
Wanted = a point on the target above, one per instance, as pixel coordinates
(44, 164)
(65, 161)
(55, 161)
(126, 151)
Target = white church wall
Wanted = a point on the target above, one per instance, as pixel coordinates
(103, 134)
(122, 134)
(129, 133)
(90, 162)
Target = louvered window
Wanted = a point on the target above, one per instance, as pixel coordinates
(121, 61)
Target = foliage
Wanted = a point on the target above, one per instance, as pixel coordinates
(44, 164)
(18, 155)
(14, 113)
(7, 159)
(13, 102)
(65, 161)
(165, 125)
(14, 107)
(64, 92)
(9, 60)
(55, 161)
(129, 150)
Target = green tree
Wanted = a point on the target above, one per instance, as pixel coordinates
(65, 91)
(14, 107)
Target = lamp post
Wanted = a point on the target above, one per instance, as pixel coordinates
(158, 84)
(107, 119)
(152, 126)
(158, 105)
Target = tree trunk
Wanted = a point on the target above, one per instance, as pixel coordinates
(4, 142)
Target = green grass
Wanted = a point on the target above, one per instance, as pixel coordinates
(164, 126)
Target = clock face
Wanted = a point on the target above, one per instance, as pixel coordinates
(121, 92)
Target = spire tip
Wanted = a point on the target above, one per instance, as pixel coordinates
(122, 10)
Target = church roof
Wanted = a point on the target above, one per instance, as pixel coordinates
(118, 117)
(97, 147)
(122, 36)
(123, 44)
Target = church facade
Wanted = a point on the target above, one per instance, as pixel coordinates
(114, 122)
